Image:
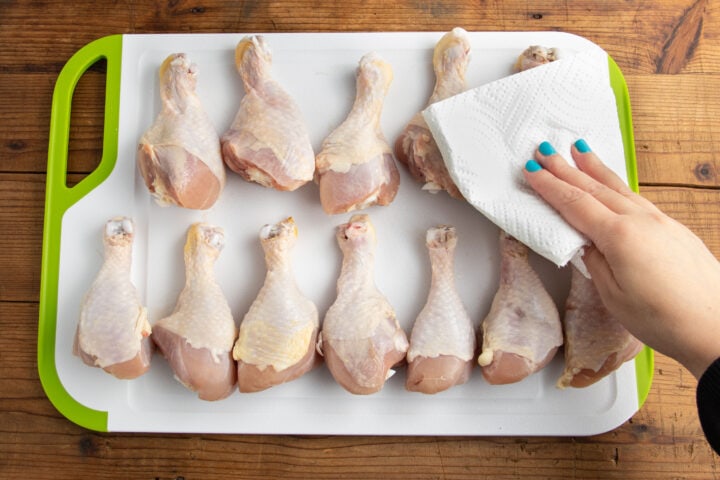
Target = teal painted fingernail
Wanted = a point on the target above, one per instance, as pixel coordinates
(532, 166)
(547, 149)
(582, 146)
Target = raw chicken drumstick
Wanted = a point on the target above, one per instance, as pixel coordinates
(179, 155)
(277, 337)
(534, 56)
(361, 338)
(416, 147)
(267, 142)
(356, 167)
(113, 331)
(442, 342)
(522, 331)
(197, 338)
(596, 344)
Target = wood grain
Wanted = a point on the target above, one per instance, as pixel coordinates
(669, 52)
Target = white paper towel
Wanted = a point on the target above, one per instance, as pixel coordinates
(487, 134)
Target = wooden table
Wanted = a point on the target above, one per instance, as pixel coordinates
(669, 52)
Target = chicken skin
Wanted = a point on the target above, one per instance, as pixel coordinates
(277, 337)
(355, 167)
(361, 338)
(179, 155)
(197, 338)
(267, 142)
(442, 342)
(416, 147)
(113, 330)
(596, 344)
(522, 331)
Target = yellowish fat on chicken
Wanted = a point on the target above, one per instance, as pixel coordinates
(276, 343)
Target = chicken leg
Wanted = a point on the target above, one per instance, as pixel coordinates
(535, 56)
(596, 344)
(522, 331)
(416, 147)
(179, 155)
(361, 338)
(113, 330)
(277, 337)
(267, 142)
(196, 339)
(442, 342)
(356, 167)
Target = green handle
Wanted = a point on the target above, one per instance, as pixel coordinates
(59, 197)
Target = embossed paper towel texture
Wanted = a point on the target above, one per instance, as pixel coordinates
(488, 133)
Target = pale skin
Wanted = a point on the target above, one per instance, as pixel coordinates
(655, 275)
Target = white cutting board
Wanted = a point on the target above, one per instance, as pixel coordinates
(319, 71)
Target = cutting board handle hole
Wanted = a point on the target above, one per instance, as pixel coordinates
(85, 143)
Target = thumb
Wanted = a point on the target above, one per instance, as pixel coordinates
(601, 273)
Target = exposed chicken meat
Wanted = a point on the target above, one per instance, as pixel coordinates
(596, 344)
(197, 338)
(534, 56)
(442, 343)
(522, 331)
(267, 142)
(356, 167)
(416, 147)
(113, 330)
(361, 338)
(277, 337)
(179, 155)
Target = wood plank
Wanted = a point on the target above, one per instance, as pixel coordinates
(698, 209)
(37, 442)
(645, 38)
(676, 128)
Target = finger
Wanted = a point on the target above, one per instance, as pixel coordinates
(579, 208)
(598, 267)
(602, 275)
(588, 162)
(559, 167)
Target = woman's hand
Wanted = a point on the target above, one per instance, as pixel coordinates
(652, 273)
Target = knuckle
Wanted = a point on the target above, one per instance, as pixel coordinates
(573, 195)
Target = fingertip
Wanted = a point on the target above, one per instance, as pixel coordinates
(532, 166)
(582, 146)
(546, 149)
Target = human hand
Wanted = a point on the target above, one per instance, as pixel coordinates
(656, 276)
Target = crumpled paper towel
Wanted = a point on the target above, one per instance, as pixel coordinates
(487, 134)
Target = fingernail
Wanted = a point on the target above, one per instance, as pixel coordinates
(547, 149)
(582, 146)
(532, 166)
